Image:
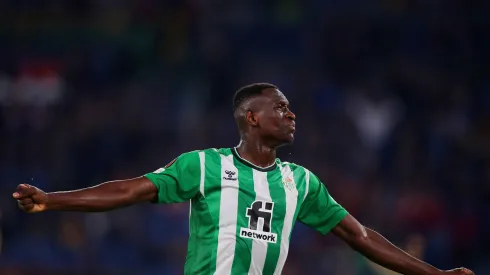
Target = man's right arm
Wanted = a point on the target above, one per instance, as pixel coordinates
(103, 197)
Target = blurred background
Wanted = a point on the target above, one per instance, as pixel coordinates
(392, 99)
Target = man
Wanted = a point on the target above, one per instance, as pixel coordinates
(244, 201)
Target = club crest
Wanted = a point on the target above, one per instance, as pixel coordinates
(289, 183)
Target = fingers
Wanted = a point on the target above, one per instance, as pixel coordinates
(29, 198)
(24, 191)
(25, 205)
(25, 201)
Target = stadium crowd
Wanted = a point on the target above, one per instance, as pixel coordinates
(393, 111)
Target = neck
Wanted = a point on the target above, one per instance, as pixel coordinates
(256, 153)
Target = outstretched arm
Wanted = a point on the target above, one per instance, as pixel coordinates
(178, 181)
(103, 197)
(379, 250)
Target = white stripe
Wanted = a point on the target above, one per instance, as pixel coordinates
(307, 180)
(259, 247)
(291, 201)
(203, 171)
(190, 212)
(227, 217)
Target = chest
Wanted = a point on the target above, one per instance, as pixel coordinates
(249, 194)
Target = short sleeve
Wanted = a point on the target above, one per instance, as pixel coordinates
(319, 210)
(179, 180)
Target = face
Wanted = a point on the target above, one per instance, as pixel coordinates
(273, 118)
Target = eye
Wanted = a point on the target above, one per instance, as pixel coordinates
(282, 107)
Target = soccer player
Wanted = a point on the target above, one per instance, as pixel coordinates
(244, 201)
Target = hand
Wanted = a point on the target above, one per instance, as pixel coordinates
(459, 271)
(31, 199)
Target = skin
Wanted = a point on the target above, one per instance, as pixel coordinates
(265, 123)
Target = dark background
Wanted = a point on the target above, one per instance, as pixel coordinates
(392, 101)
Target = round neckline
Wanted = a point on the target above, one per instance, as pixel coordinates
(271, 167)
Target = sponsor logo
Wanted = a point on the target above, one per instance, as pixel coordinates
(258, 235)
(259, 222)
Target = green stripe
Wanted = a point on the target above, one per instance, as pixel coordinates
(212, 183)
(299, 174)
(243, 246)
(278, 196)
(196, 261)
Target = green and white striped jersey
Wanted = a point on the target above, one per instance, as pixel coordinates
(242, 215)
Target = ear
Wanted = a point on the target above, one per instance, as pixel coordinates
(251, 118)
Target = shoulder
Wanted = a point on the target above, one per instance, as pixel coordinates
(190, 158)
(297, 170)
(200, 151)
(204, 155)
(216, 152)
(293, 166)
(300, 171)
(188, 155)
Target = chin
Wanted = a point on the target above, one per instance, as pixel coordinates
(287, 141)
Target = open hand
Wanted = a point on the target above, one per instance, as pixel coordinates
(30, 199)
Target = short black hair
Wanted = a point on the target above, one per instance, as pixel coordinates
(249, 91)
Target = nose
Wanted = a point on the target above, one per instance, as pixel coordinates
(291, 115)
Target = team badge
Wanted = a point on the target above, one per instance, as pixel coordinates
(289, 183)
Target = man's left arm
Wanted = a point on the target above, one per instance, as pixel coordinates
(379, 250)
(321, 212)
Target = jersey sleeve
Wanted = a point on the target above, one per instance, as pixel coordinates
(319, 210)
(179, 180)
